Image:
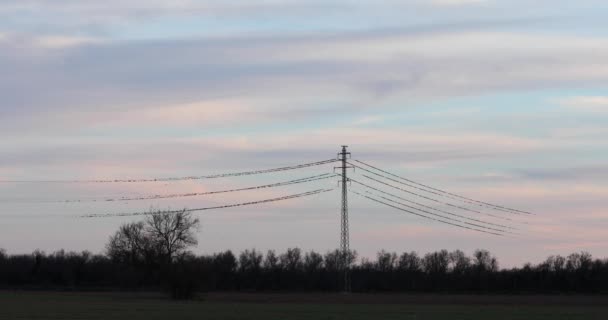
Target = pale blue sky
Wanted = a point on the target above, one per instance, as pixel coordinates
(503, 101)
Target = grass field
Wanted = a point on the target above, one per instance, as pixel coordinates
(47, 305)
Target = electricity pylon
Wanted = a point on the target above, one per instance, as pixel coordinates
(344, 240)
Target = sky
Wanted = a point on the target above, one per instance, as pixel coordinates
(501, 101)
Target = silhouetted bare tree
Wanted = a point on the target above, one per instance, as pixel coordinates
(172, 233)
(459, 262)
(387, 261)
(162, 234)
(334, 260)
(409, 262)
(272, 261)
(156, 249)
(130, 244)
(291, 260)
(250, 261)
(436, 263)
(313, 262)
(484, 261)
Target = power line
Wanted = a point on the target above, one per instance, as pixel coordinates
(444, 217)
(426, 217)
(435, 200)
(214, 176)
(293, 196)
(391, 179)
(428, 207)
(382, 176)
(193, 194)
(446, 193)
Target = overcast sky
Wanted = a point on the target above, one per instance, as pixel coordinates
(502, 101)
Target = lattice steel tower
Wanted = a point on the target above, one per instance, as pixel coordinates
(344, 241)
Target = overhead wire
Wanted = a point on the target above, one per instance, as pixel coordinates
(386, 175)
(429, 207)
(426, 217)
(435, 200)
(193, 194)
(214, 176)
(443, 217)
(443, 192)
(288, 197)
(391, 179)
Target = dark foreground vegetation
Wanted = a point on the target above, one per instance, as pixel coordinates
(226, 306)
(153, 255)
(297, 271)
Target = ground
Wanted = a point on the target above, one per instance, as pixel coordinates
(132, 306)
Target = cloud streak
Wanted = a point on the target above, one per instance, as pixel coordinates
(379, 69)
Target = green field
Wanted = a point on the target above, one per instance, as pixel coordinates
(39, 305)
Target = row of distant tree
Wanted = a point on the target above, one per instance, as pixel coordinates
(154, 254)
(295, 270)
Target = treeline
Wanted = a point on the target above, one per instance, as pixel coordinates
(153, 254)
(295, 270)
